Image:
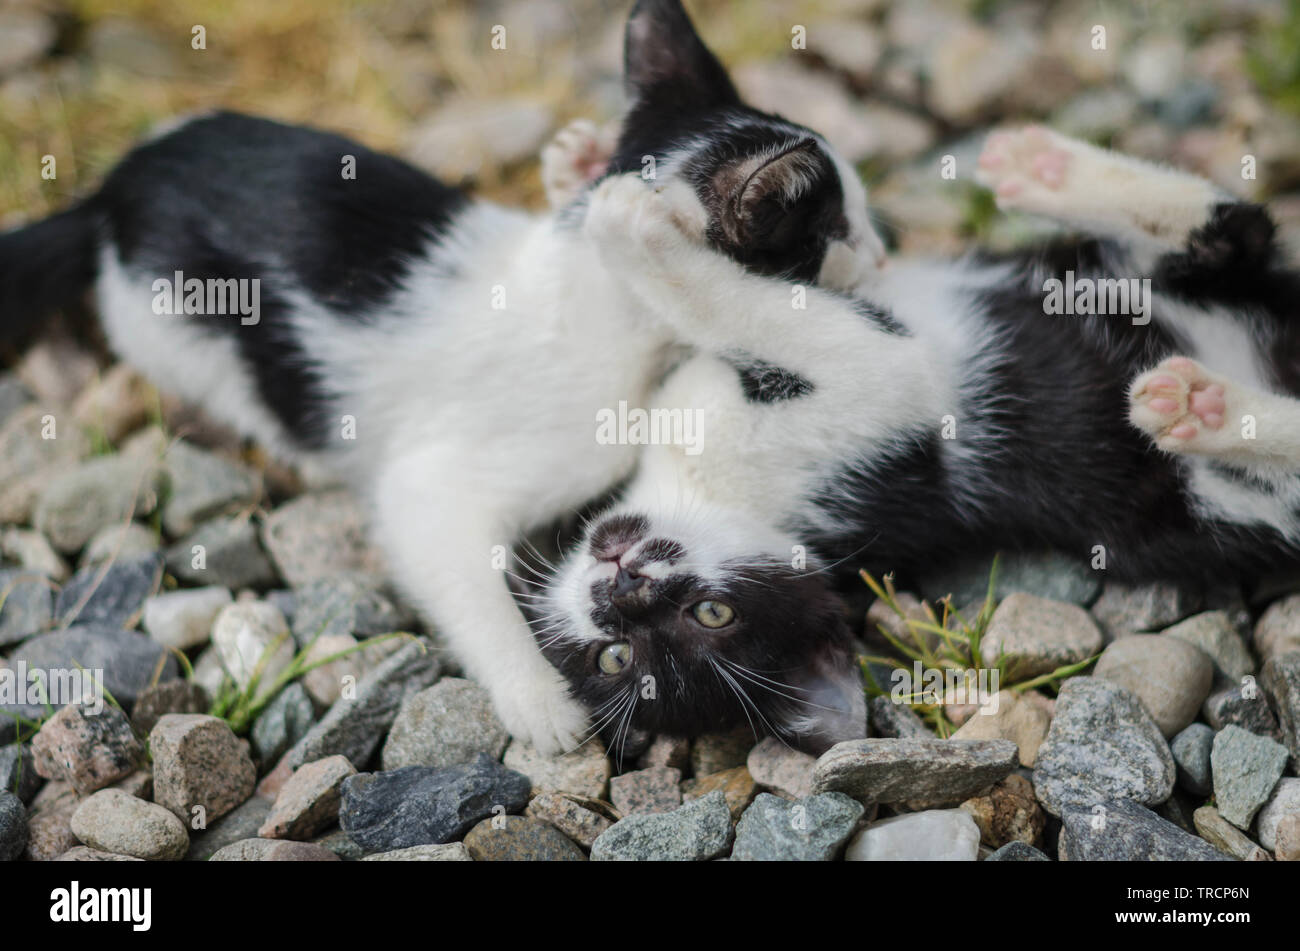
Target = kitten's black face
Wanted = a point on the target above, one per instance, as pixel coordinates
(779, 201)
(660, 630)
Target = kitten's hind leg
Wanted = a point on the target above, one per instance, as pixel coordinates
(1042, 172)
(1187, 409)
(576, 157)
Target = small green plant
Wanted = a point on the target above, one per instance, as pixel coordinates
(241, 706)
(948, 648)
(1274, 60)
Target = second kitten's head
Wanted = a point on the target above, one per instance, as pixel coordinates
(780, 201)
(694, 621)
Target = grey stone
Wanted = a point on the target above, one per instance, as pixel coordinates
(240, 823)
(282, 723)
(13, 826)
(1123, 831)
(582, 820)
(896, 720)
(1281, 681)
(450, 852)
(812, 829)
(1017, 852)
(199, 766)
(774, 765)
(922, 773)
(1214, 633)
(1037, 635)
(203, 486)
(82, 853)
(944, 835)
(119, 540)
(1169, 676)
(1245, 706)
(33, 553)
(29, 460)
(1101, 745)
(222, 553)
(273, 850)
(183, 619)
(113, 596)
(112, 821)
(657, 789)
(318, 537)
(696, 832)
(341, 844)
(344, 605)
(1284, 802)
(1139, 609)
(519, 839)
(26, 606)
(308, 802)
(354, 727)
(1246, 768)
(87, 750)
(1051, 576)
(128, 660)
(18, 771)
(425, 805)
(170, 696)
(1191, 752)
(78, 502)
(1278, 628)
(445, 724)
(253, 641)
(583, 772)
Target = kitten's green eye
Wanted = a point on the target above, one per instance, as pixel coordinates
(615, 657)
(713, 613)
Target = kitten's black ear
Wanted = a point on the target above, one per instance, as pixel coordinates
(665, 58)
(757, 194)
(834, 707)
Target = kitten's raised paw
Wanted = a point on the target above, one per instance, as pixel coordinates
(538, 710)
(642, 223)
(1027, 168)
(1181, 405)
(576, 157)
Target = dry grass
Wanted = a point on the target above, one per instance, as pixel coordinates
(367, 68)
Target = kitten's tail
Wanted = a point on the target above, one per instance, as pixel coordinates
(46, 267)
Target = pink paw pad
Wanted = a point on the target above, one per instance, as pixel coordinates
(1179, 401)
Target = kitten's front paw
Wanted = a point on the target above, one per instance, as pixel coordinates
(538, 710)
(1028, 169)
(576, 157)
(1182, 406)
(635, 223)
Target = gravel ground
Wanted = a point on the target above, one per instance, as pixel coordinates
(148, 543)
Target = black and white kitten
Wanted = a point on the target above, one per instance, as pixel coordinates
(470, 348)
(941, 412)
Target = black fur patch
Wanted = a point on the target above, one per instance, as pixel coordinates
(234, 197)
(881, 317)
(768, 383)
(680, 95)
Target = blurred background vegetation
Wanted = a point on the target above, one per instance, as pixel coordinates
(897, 85)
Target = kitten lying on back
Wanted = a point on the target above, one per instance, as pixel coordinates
(473, 345)
(943, 412)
